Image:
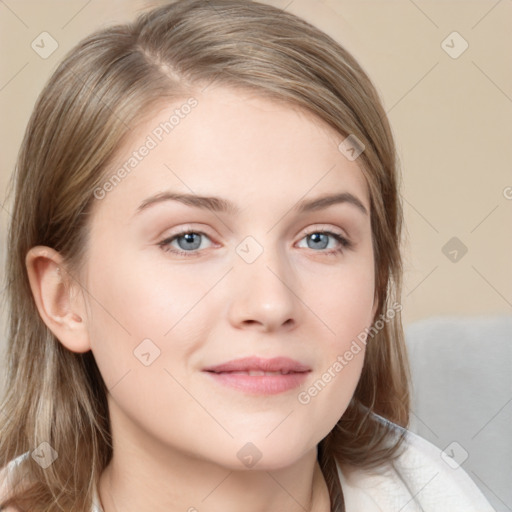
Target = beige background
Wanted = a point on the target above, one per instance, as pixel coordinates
(451, 118)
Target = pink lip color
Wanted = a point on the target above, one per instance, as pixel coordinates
(235, 374)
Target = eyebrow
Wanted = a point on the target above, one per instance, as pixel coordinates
(218, 204)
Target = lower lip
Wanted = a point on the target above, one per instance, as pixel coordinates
(260, 384)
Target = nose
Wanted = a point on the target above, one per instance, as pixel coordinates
(264, 294)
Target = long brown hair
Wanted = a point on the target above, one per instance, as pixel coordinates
(88, 108)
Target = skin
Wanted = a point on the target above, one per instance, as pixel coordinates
(176, 433)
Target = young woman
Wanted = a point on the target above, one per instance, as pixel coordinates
(204, 280)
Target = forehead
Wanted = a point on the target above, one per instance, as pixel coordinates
(235, 144)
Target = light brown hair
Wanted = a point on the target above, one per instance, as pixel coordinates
(99, 93)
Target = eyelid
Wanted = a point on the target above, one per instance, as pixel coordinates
(188, 228)
(327, 227)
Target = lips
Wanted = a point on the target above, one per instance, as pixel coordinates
(258, 366)
(259, 376)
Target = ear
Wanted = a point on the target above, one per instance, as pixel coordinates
(58, 297)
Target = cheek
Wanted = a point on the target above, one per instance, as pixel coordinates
(138, 308)
(344, 303)
(329, 392)
(140, 334)
(138, 298)
(345, 306)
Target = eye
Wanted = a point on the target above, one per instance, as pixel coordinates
(319, 239)
(189, 243)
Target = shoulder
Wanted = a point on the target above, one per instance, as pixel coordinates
(6, 481)
(421, 478)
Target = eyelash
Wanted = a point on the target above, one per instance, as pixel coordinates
(344, 243)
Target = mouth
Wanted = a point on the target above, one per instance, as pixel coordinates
(254, 375)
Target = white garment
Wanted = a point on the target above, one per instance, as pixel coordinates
(419, 480)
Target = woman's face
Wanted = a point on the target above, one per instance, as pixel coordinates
(171, 316)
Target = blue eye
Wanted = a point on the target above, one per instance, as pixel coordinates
(320, 240)
(189, 242)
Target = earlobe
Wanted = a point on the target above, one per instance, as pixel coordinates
(57, 297)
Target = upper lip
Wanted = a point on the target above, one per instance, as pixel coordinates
(246, 364)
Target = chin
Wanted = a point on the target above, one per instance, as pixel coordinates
(272, 453)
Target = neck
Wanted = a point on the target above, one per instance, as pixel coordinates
(258, 491)
(146, 476)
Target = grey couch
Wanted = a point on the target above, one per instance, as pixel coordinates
(462, 396)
